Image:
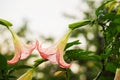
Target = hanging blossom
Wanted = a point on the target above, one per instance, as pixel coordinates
(117, 74)
(27, 76)
(22, 50)
(55, 53)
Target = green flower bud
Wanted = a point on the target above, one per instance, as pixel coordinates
(27, 75)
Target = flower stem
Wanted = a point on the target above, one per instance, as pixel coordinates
(38, 62)
(99, 74)
(67, 74)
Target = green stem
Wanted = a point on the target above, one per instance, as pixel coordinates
(104, 60)
(101, 71)
(38, 62)
(12, 32)
(67, 74)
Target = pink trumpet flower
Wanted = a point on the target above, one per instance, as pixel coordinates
(55, 53)
(22, 50)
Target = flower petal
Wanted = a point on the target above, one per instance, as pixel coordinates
(55, 53)
(61, 61)
(52, 58)
(15, 59)
(22, 51)
(40, 50)
(45, 52)
(27, 50)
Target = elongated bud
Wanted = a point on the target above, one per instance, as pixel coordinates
(27, 76)
(79, 24)
(5, 23)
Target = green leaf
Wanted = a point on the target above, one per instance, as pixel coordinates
(72, 43)
(110, 67)
(104, 56)
(18, 67)
(5, 23)
(79, 24)
(101, 9)
(79, 54)
(3, 68)
(106, 78)
(118, 28)
(13, 77)
(98, 9)
(3, 63)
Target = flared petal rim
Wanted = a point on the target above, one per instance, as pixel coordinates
(22, 53)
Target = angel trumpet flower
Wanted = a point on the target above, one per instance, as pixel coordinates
(55, 52)
(22, 50)
(117, 75)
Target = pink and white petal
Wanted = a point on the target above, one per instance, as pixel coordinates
(52, 58)
(61, 61)
(43, 55)
(29, 46)
(24, 56)
(41, 51)
(15, 59)
(27, 50)
(45, 52)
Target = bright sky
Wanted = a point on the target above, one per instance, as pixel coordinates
(44, 16)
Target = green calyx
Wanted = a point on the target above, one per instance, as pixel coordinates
(5, 23)
(79, 24)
